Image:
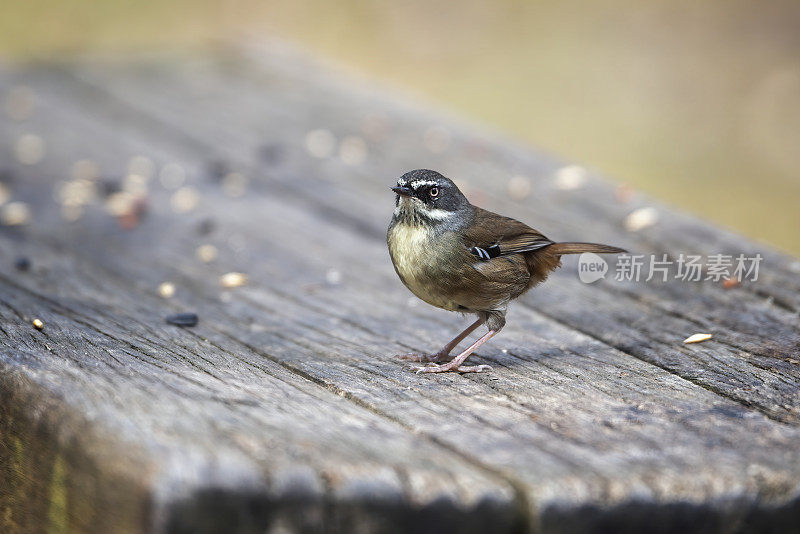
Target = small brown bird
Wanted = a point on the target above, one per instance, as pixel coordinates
(462, 258)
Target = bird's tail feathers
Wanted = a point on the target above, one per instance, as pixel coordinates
(580, 248)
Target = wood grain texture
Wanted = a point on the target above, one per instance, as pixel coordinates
(284, 409)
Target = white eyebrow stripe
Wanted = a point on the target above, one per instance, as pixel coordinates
(416, 184)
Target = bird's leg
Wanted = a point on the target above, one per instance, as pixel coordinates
(455, 363)
(445, 352)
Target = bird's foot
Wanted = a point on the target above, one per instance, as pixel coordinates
(447, 368)
(423, 358)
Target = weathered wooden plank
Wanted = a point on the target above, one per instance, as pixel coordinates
(57, 471)
(591, 435)
(338, 350)
(214, 416)
(158, 367)
(767, 334)
(558, 415)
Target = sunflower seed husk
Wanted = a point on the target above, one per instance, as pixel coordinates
(697, 338)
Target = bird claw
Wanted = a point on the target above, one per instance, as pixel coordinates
(436, 368)
(422, 368)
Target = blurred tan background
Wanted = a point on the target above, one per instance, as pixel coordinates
(697, 103)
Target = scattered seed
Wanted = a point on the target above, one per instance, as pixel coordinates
(184, 199)
(22, 263)
(217, 170)
(333, 277)
(182, 319)
(108, 186)
(233, 279)
(697, 338)
(75, 192)
(519, 187)
(166, 289)
(15, 214)
(29, 149)
(730, 283)
(207, 253)
(135, 184)
(120, 203)
(38, 324)
(640, 219)
(130, 219)
(320, 143)
(570, 177)
(206, 226)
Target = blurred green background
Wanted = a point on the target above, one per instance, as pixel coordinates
(697, 103)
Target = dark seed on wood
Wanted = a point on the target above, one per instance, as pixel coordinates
(109, 186)
(217, 170)
(183, 319)
(22, 263)
(206, 226)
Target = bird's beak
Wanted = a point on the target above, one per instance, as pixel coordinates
(404, 191)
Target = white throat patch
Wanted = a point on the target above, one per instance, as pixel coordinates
(436, 213)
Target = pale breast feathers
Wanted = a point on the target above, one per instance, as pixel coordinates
(408, 246)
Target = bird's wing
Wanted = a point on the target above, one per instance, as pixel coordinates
(492, 235)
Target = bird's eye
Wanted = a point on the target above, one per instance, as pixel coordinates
(433, 192)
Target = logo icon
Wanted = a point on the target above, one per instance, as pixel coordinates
(591, 267)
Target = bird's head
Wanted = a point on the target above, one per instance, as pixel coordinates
(427, 196)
